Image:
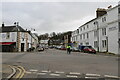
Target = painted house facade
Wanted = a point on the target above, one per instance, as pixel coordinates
(102, 32)
(15, 38)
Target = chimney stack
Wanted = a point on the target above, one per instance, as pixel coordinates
(3, 24)
(110, 6)
(100, 12)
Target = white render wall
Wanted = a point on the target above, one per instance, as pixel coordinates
(113, 30)
(111, 34)
(13, 37)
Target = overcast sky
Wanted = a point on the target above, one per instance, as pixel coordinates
(47, 17)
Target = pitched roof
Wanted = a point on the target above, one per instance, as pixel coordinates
(12, 29)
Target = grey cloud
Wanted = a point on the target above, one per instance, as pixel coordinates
(49, 16)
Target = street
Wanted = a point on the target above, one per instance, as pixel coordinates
(53, 63)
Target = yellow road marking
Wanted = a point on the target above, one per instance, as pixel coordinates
(20, 71)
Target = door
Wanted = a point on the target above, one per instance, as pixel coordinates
(22, 47)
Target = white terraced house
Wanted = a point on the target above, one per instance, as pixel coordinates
(102, 32)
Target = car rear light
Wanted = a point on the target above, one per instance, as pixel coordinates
(90, 50)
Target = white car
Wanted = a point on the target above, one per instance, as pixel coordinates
(40, 49)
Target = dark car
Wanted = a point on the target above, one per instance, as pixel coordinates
(81, 47)
(89, 50)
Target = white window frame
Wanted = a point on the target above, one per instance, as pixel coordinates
(7, 35)
(95, 44)
(104, 43)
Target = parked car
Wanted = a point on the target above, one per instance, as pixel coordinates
(75, 49)
(63, 48)
(40, 49)
(89, 50)
(59, 47)
(51, 47)
(81, 47)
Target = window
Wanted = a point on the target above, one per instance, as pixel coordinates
(118, 10)
(119, 26)
(3, 35)
(76, 38)
(83, 36)
(84, 28)
(7, 35)
(77, 31)
(81, 28)
(103, 31)
(119, 42)
(87, 43)
(104, 43)
(103, 19)
(73, 39)
(81, 43)
(87, 35)
(87, 26)
(95, 44)
(80, 36)
(95, 33)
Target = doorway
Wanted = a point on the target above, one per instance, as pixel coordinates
(22, 47)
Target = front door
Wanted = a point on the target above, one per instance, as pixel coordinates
(22, 47)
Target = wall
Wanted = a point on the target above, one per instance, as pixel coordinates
(111, 25)
(113, 30)
(12, 37)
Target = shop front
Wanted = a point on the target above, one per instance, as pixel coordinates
(8, 46)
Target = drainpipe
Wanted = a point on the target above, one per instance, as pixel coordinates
(98, 36)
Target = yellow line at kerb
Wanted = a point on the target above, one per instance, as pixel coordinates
(22, 72)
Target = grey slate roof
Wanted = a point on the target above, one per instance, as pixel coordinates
(12, 29)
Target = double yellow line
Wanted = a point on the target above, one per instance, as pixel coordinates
(20, 70)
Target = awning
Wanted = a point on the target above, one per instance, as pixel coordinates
(6, 43)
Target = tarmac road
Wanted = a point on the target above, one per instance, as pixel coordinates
(53, 63)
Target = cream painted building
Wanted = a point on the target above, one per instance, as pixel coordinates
(102, 32)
